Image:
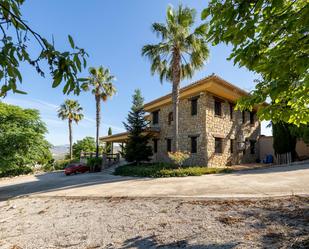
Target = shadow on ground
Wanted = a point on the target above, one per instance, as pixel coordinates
(273, 169)
(151, 242)
(58, 181)
(48, 182)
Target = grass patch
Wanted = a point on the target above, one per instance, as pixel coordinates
(166, 170)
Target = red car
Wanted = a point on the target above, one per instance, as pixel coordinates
(74, 168)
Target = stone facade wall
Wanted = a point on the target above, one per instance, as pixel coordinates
(188, 126)
(226, 128)
(207, 126)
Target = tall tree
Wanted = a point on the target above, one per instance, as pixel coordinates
(269, 37)
(284, 139)
(108, 147)
(137, 148)
(87, 144)
(180, 52)
(100, 81)
(14, 48)
(22, 140)
(72, 111)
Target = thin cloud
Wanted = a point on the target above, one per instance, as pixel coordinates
(31, 103)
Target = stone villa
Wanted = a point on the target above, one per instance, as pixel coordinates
(209, 127)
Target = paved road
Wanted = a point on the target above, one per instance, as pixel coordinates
(278, 181)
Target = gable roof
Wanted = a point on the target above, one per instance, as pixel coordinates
(212, 84)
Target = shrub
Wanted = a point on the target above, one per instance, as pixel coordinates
(59, 164)
(166, 170)
(179, 157)
(94, 163)
(15, 171)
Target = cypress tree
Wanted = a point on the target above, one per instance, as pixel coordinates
(137, 148)
(108, 146)
(284, 140)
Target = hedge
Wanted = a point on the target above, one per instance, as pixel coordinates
(166, 170)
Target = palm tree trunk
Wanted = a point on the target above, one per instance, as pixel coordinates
(175, 95)
(70, 138)
(98, 117)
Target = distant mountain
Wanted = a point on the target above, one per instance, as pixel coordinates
(59, 151)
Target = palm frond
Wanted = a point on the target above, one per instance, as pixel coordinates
(161, 30)
(70, 109)
(177, 37)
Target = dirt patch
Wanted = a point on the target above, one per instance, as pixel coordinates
(153, 223)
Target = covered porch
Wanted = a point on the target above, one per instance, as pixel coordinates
(122, 138)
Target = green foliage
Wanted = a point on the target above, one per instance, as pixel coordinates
(87, 144)
(108, 145)
(284, 140)
(179, 157)
(166, 170)
(64, 66)
(180, 44)
(271, 39)
(181, 51)
(15, 171)
(301, 132)
(72, 111)
(100, 82)
(59, 164)
(94, 163)
(137, 148)
(22, 142)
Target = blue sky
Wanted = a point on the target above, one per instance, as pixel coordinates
(113, 33)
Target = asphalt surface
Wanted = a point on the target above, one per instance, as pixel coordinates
(279, 181)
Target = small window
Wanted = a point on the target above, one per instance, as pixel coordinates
(155, 117)
(232, 146)
(252, 117)
(231, 110)
(169, 145)
(170, 118)
(218, 111)
(243, 117)
(194, 107)
(218, 145)
(252, 146)
(193, 144)
(155, 145)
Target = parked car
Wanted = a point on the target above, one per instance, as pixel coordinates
(74, 168)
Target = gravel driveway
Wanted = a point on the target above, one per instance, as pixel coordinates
(147, 223)
(280, 181)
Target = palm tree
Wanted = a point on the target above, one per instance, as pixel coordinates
(100, 81)
(179, 53)
(72, 111)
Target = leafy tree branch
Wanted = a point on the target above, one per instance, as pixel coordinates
(16, 36)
